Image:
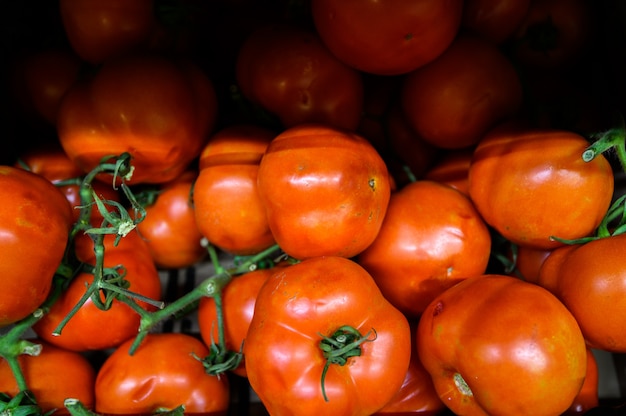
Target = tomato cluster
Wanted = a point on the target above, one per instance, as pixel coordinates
(403, 207)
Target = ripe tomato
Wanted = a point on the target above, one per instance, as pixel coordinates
(94, 329)
(529, 261)
(405, 37)
(99, 30)
(120, 110)
(296, 310)
(169, 227)
(533, 184)
(228, 208)
(455, 99)
(491, 337)
(325, 191)
(291, 74)
(587, 397)
(590, 280)
(432, 237)
(34, 214)
(161, 375)
(495, 20)
(452, 169)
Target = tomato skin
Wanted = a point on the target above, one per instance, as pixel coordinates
(161, 374)
(53, 376)
(283, 358)
(495, 20)
(228, 208)
(310, 171)
(119, 110)
(91, 328)
(34, 214)
(99, 30)
(513, 168)
(452, 169)
(502, 336)
(529, 262)
(404, 40)
(587, 397)
(455, 99)
(432, 237)
(291, 74)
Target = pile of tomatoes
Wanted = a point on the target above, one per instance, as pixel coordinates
(407, 207)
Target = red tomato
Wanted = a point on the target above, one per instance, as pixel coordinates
(53, 376)
(405, 36)
(94, 329)
(228, 208)
(120, 110)
(533, 184)
(34, 214)
(455, 99)
(84, 246)
(587, 397)
(591, 281)
(325, 191)
(161, 375)
(169, 227)
(495, 20)
(238, 300)
(452, 169)
(99, 30)
(491, 337)
(300, 305)
(529, 261)
(432, 237)
(291, 74)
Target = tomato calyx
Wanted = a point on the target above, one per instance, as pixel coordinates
(344, 343)
(77, 408)
(22, 404)
(614, 138)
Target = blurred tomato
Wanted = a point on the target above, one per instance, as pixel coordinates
(495, 20)
(452, 169)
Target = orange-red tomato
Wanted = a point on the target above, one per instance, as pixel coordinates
(587, 398)
(495, 20)
(228, 208)
(53, 376)
(161, 375)
(491, 337)
(120, 109)
(325, 191)
(529, 261)
(404, 38)
(532, 184)
(35, 220)
(455, 99)
(432, 237)
(452, 169)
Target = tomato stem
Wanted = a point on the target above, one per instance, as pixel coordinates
(603, 142)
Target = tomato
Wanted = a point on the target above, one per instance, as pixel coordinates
(455, 99)
(99, 30)
(590, 280)
(405, 38)
(492, 342)
(162, 374)
(53, 376)
(587, 397)
(169, 227)
(452, 169)
(297, 311)
(529, 261)
(432, 237)
(94, 329)
(325, 191)
(291, 74)
(238, 300)
(84, 246)
(33, 214)
(228, 208)
(120, 110)
(495, 20)
(531, 184)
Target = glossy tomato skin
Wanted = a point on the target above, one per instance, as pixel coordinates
(162, 374)
(325, 191)
(91, 328)
(495, 344)
(590, 280)
(169, 227)
(119, 110)
(405, 37)
(228, 208)
(495, 20)
(34, 214)
(53, 376)
(587, 398)
(432, 237)
(294, 309)
(291, 74)
(531, 184)
(455, 99)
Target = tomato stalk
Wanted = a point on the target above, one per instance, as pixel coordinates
(76, 408)
(344, 343)
(603, 142)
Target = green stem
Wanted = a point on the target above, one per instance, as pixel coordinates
(611, 139)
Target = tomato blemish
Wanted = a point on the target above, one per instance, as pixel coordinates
(438, 308)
